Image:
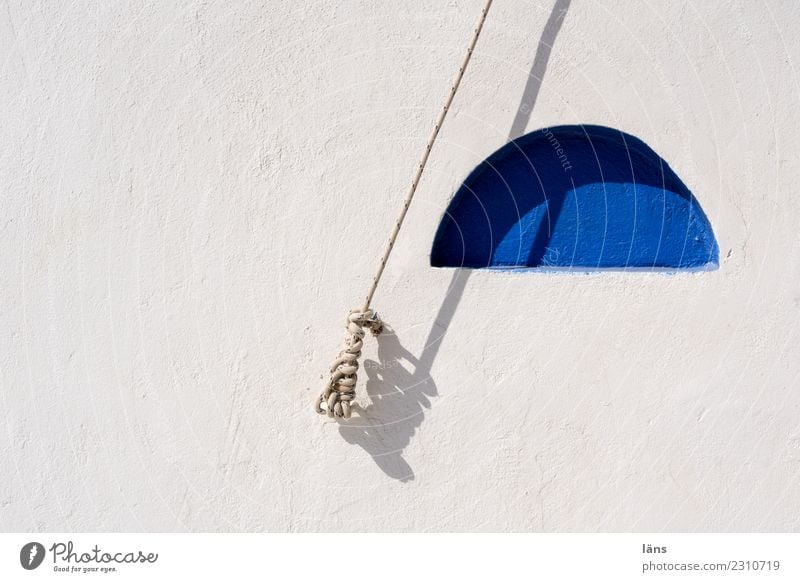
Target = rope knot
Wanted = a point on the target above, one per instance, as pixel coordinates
(340, 391)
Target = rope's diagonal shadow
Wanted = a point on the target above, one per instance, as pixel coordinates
(399, 384)
(400, 395)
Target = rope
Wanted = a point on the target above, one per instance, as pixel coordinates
(340, 391)
(421, 166)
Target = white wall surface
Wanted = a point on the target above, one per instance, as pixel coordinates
(195, 193)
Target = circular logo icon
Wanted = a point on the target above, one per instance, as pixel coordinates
(31, 555)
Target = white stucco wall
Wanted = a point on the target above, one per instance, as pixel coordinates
(195, 193)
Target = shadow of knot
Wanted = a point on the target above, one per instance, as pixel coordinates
(400, 389)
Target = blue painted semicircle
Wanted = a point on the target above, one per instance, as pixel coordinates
(577, 197)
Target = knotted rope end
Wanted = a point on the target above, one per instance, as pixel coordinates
(337, 397)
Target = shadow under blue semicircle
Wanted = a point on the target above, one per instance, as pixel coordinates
(580, 197)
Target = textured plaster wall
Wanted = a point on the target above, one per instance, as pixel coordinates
(195, 193)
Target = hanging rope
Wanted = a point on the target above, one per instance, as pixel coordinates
(340, 391)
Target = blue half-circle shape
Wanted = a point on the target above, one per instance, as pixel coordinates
(579, 197)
